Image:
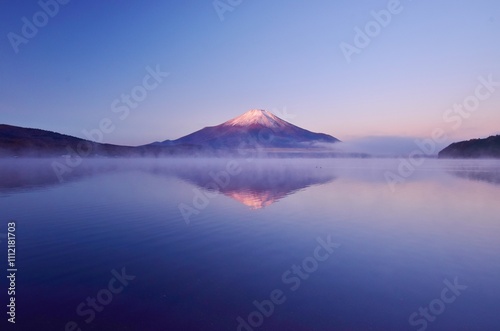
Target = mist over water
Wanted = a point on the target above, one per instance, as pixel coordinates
(249, 222)
(385, 146)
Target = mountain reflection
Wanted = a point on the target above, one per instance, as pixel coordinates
(257, 186)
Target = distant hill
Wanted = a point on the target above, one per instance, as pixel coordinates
(475, 148)
(25, 142)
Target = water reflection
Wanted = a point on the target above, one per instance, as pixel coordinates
(256, 184)
(31, 174)
(491, 176)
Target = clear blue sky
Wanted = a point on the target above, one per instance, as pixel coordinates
(273, 55)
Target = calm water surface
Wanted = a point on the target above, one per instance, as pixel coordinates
(316, 244)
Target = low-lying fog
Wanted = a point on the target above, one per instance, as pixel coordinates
(265, 174)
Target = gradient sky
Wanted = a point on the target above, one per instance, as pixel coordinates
(276, 55)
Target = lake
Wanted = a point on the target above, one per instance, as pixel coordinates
(287, 244)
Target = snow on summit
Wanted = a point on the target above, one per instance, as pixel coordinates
(259, 117)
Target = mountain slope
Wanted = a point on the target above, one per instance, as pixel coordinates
(251, 129)
(26, 142)
(475, 148)
(17, 141)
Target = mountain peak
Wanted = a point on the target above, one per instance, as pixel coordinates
(252, 129)
(257, 117)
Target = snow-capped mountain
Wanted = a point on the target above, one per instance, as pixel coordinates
(255, 128)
